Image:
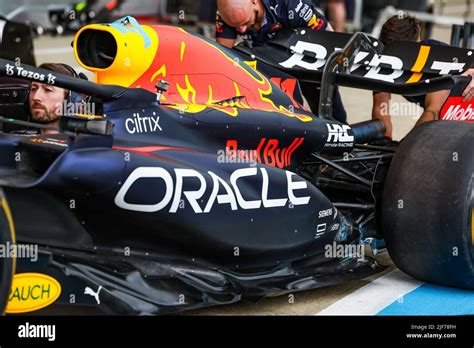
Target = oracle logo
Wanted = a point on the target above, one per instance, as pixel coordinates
(172, 190)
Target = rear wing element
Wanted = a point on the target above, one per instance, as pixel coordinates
(455, 108)
(304, 53)
(359, 61)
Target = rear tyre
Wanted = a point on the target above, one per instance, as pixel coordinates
(427, 206)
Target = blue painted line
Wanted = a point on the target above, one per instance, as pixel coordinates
(431, 299)
(134, 28)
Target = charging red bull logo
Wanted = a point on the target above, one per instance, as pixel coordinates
(182, 59)
(201, 74)
(268, 152)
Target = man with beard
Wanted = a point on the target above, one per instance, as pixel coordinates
(46, 101)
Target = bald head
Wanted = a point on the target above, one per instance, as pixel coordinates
(241, 14)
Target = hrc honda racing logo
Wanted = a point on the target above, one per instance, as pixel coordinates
(338, 136)
(233, 197)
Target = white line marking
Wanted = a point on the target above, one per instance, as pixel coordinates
(12, 14)
(373, 297)
(80, 69)
(53, 50)
(2, 27)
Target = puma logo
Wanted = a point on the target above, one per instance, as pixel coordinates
(89, 291)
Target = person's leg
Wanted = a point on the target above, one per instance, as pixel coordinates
(318, 3)
(208, 13)
(419, 5)
(337, 14)
(311, 92)
(371, 10)
(339, 112)
(350, 9)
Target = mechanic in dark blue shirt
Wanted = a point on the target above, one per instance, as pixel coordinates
(256, 20)
(408, 28)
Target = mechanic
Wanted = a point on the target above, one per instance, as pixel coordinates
(46, 102)
(255, 20)
(337, 13)
(408, 28)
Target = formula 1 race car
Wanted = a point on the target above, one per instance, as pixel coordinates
(200, 178)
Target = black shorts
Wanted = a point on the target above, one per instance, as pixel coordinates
(312, 91)
(350, 6)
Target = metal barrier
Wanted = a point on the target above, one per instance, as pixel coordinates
(390, 11)
(463, 36)
(355, 24)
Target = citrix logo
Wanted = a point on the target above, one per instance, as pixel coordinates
(137, 124)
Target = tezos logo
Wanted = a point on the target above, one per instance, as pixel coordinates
(22, 72)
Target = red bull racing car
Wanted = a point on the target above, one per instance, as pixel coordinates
(200, 178)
